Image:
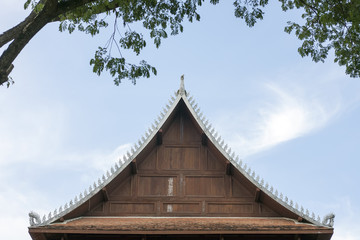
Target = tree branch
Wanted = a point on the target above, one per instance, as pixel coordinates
(67, 6)
(13, 32)
(23, 35)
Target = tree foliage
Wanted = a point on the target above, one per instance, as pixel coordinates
(330, 24)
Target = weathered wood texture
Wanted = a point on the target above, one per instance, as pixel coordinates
(182, 176)
(180, 173)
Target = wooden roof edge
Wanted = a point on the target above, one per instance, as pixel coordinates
(58, 213)
(257, 232)
(225, 150)
(151, 133)
(283, 227)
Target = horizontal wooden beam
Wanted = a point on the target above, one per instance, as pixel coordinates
(38, 236)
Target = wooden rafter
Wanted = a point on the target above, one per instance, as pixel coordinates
(204, 139)
(257, 195)
(228, 168)
(105, 194)
(133, 166)
(159, 137)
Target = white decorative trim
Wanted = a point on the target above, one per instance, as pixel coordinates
(248, 173)
(214, 137)
(114, 170)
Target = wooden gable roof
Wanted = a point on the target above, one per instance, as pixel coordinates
(180, 179)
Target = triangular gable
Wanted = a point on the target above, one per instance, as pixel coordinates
(181, 167)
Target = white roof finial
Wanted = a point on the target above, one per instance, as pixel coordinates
(182, 90)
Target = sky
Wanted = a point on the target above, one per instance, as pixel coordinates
(293, 121)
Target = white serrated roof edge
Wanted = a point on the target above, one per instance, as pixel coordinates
(212, 135)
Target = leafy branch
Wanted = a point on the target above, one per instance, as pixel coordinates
(330, 24)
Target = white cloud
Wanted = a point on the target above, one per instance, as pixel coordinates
(105, 162)
(285, 113)
(99, 163)
(33, 138)
(26, 195)
(14, 215)
(347, 220)
(16, 230)
(28, 135)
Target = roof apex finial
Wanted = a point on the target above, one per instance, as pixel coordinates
(182, 90)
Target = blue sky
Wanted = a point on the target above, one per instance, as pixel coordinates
(293, 121)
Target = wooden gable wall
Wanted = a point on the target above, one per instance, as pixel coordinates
(181, 174)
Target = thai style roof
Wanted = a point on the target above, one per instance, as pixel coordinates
(309, 221)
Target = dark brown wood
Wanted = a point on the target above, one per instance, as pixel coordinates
(38, 236)
(204, 139)
(182, 177)
(228, 168)
(105, 194)
(180, 236)
(65, 237)
(159, 137)
(257, 195)
(300, 219)
(133, 166)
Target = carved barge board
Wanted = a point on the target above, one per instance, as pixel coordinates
(181, 173)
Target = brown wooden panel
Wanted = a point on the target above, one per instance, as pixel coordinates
(191, 158)
(155, 186)
(231, 208)
(123, 190)
(149, 163)
(265, 208)
(190, 133)
(99, 208)
(182, 130)
(266, 211)
(213, 163)
(171, 207)
(205, 186)
(172, 158)
(238, 190)
(187, 158)
(132, 208)
(172, 134)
